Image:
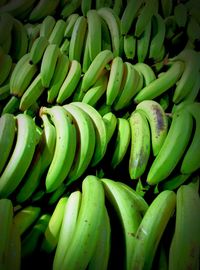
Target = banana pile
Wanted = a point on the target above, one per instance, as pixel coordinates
(99, 134)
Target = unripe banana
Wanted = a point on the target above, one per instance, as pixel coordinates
(5, 67)
(143, 43)
(110, 121)
(47, 26)
(11, 106)
(37, 49)
(70, 21)
(130, 46)
(57, 33)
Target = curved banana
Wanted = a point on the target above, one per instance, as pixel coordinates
(173, 148)
(37, 49)
(150, 7)
(162, 83)
(57, 34)
(70, 82)
(94, 33)
(158, 122)
(187, 80)
(129, 47)
(25, 217)
(21, 156)
(140, 144)
(70, 7)
(130, 12)
(157, 36)
(86, 138)
(95, 69)
(147, 73)
(19, 40)
(107, 14)
(185, 241)
(42, 9)
(128, 87)
(6, 213)
(52, 232)
(48, 64)
(30, 242)
(151, 229)
(77, 39)
(11, 106)
(174, 182)
(68, 228)
(59, 76)
(95, 93)
(143, 43)
(5, 67)
(122, 141)
(101, 255)
(86, 234)
(64, 149)
(32, 93)
(70, 21)
(128, 214)
(110, 121)
(7, 136)
(114, 80)
(22, 75)
(47, 26)
(100, 131)
(86, 62)
(190, 162)
(180, 14)
(64, 47)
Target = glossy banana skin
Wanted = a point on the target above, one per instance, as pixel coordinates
(21, 156)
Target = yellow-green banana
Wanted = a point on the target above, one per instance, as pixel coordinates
(38, 48)
(47, 26)
(57, 34)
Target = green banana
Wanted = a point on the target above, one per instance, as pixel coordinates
(57, 194)
(166, 7)
(95, 69)
(11, 106)
(25, 218)
(185, 241)
(37, 49)
(130, 47)
(57, 34)
(151, 229)
(106, 38)
(122, 141)
(86, 61)
(147, 11)
(180, 14)
(5, 67)
(52, 232)
(70, 8)
(193, 30)
(94, 33)
(70, 21)
(147, 73)
(70, 82)
(143, 43)
(190, 162)
(64, 149)
(59, 76)
(162, 83)
(7, 136)
(110, 121)
(130, 13)
(86, 139)
(47, 26)
(88, 225)
(4, 91)
(6, 213)
(187, 80)
(86, 6)
(30, 242)
(140, 144)
(6, 23)
(32, 93)
(117, 7)
(127, 213)
(64, 47)
(21, 156)
(77, 39)
(22, 75)
(95, 93)
(174, 182)
(128, 87)
(114, 80)
(100, 131)
(158, 123)
(100, 258)
(48, 64)
(111, 19)
(68, 228)
(173, 148)
(42, 9)
(157, 36)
